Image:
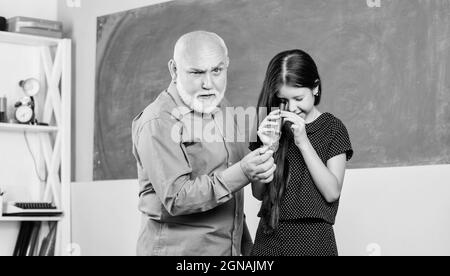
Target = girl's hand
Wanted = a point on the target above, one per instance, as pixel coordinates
(269, 130)
(298, 127)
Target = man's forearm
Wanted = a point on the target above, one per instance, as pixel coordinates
(202, 193)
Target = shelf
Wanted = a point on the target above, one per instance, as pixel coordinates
(28, 40)
(18, 219)
(51, 143)
(27, 128)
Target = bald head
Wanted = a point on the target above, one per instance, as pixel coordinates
(199, 70)
(198, 45)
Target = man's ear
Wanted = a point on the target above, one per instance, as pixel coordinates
(173, 69)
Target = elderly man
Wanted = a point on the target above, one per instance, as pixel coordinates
(191, 186)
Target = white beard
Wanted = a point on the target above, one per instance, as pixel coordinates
(194, 103)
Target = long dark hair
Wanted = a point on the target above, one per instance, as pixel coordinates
(293, 68)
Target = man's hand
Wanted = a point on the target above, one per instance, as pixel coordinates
(259, 165)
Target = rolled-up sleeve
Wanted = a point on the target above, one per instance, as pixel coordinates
(164, 158)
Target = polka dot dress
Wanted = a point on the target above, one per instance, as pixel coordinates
(306, 219)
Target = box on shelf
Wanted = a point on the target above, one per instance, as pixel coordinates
(35, 26)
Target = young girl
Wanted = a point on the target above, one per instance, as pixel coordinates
(299, 206)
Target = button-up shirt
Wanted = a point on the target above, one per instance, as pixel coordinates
(190, 180)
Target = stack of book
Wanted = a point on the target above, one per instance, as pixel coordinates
(28, 240)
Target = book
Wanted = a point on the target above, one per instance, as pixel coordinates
(23, 239)
(19, 241)
(49, 242)
(34, 237)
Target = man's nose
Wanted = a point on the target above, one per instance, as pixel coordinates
(207, 82)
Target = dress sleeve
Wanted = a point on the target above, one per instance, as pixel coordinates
(340, 142)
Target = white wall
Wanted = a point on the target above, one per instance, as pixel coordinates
(105, 218)
(402, 211)
(44, 9)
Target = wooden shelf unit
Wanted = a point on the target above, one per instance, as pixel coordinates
(54, 140)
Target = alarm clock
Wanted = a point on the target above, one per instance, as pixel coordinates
(24, 113)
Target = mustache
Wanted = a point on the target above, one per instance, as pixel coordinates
(211, 92)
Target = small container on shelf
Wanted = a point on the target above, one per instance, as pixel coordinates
(3, 109)
(1, 203)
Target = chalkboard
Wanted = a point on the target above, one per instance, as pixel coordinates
(385, 70)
